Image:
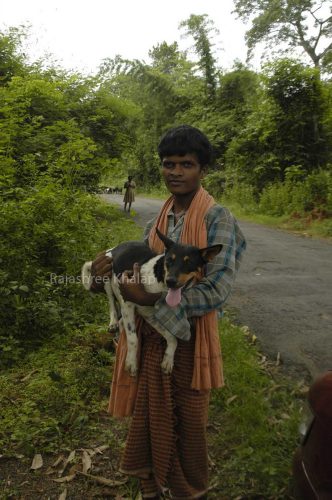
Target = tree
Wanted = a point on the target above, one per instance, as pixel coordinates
(284, 131)
(200, 28)
(11, 57)
(298, 23)
(166, 58)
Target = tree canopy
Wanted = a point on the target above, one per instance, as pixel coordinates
(291, 23)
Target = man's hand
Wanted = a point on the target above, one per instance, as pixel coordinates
(130, 285)
(133, 290)
(101, 269)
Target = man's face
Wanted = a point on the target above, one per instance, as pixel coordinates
(182, 174)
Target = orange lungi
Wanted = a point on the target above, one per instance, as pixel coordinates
(166, 446)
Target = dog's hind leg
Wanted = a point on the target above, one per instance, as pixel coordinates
(168, 359)
(128, 317)
(113, 324)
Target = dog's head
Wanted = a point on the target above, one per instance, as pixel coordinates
(184, 263)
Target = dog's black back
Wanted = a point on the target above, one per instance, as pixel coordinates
(126, 254)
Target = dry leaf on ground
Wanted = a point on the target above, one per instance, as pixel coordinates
(68, 460)
(64, 479)
(63, 495)
(37, 462)
(103, 480)
(86, 461)
(231, 399)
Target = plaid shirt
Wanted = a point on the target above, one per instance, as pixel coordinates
(214, 289)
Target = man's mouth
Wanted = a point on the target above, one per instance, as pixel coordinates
(175, 183)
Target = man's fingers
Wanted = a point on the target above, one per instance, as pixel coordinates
(136, 272)
(102, 257)
(105, 269)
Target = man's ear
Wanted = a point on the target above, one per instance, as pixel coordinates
(210, 253)
(203, 172)
(167, 242)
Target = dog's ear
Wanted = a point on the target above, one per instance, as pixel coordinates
(209, 253)
(167, 242)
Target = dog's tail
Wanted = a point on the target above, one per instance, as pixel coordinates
(86, 275)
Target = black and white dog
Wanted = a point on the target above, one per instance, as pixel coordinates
(171, 271)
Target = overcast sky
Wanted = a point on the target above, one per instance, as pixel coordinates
(81, 33)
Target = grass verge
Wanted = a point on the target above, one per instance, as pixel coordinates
(296, 223)
(303, 224)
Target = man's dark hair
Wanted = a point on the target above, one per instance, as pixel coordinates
(184, 140)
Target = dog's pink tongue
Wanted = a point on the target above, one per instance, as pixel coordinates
(173, 297)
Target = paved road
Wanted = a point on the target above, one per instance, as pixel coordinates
(283, 292)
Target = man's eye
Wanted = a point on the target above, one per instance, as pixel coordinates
(168, 164)
(187, 164)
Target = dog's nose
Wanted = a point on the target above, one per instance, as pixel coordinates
(171, 282)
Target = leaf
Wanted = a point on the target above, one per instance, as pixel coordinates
(63, 495)
(231, 399)
(100, 449)
(24, 288)
(64, 479)
(58, 461)
(69, 459)
(37, 462)
(212, 464)
(103, 480)
(24, 379)
(86, 461)
(73, 469)
(278, 361)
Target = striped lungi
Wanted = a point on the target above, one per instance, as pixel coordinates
(166, 445)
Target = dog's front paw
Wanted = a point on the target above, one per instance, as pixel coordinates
(167, 364)
(113, 327)
(131, 366)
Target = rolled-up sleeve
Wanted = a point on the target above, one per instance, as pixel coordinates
(214, 289)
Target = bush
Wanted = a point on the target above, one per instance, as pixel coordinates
(313, 193)
(48, 232)
(242, 194)
(215, 183)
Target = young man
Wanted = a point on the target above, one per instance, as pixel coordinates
(166, 445)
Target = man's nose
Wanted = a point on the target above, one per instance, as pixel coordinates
(178, 169)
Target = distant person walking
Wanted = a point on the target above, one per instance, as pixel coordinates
(129, 196)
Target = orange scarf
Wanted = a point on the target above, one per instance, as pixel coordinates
(207, 372)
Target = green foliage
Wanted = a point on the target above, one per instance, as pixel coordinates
(48, 232)
(200, 28)
(11, 57)
(242, 194)
(285, 128)
(214, 182)
(288, 24)
(56, 396)
(314, 192)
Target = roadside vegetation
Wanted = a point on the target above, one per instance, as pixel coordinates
(63, 137)
(53, 405)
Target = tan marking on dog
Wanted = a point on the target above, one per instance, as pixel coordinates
(173, 256)
(183, 278)
(186, 258)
